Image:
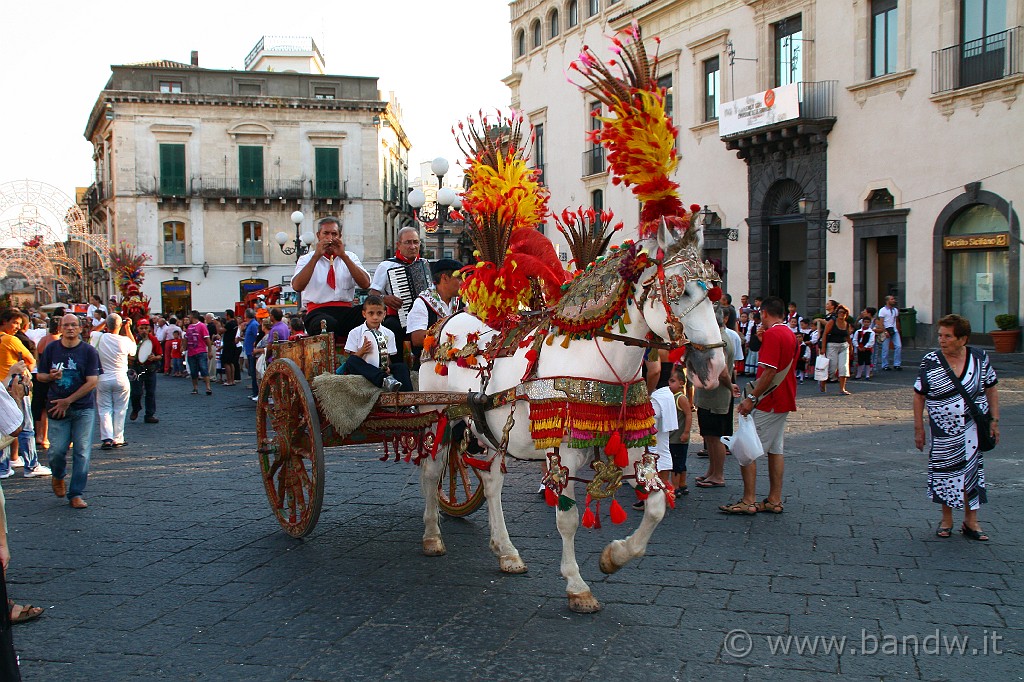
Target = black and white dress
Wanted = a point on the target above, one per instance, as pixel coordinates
(955, 465)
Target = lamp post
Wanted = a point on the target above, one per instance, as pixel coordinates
(433, 215)
(806, 205)
(301, 243)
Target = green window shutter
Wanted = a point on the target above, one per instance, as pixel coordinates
(250, 171)
(172, 169)
(328, 172)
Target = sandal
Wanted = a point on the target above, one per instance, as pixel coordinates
(973, 534)
(23, 614)
(770, 507)
(195, 392)
(942, 532)
(740, 507)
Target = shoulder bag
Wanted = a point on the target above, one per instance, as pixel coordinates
(983, 419)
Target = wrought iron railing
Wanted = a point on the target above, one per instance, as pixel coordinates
(991, 58)
(593, 161)
(328, 189)
(817, 99)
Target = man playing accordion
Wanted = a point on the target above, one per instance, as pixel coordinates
(399, 280)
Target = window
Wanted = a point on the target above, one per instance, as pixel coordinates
(170, 86)
(572, 11)
(984, 41)
(538, 150)
(520, 43)
(880, 200)
(537, 40)
(174, 242)
(883, 37)
(597, 202)
(172, 169)
(328, 175)
(593, 7)
(252, 241)
(553, 24)
(593, 158)
(788, 59)
(612, 2)
(666, 83)
(250, 171)
(250, 89)
(323, 93)
(712, 83)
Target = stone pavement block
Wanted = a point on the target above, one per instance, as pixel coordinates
(895, 590)
(947, 578)
(844, 607)
(966, 614)
(620, 666)
(783, 584)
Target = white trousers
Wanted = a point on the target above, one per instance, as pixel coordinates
(112, 405)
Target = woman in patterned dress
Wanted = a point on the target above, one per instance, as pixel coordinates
(956, 475)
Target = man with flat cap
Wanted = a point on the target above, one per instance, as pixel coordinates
(327, 277)
(440, 300)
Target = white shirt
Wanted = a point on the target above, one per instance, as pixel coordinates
(418, 319)
(355, 341)
(161, 333)
(114, 351)
(317, 290)
(666, 420)
(11, 416)
(737, 343)
(35, 334)
(888, 316)
(380, 276)
(93, 308)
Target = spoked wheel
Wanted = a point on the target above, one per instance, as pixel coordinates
(460, 491)
(290, 447)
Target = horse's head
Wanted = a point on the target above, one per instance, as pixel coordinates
(678, 303)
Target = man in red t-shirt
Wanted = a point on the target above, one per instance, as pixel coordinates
(774, 397)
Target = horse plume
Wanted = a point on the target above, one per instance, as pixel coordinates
(587, 232)
(638, 132)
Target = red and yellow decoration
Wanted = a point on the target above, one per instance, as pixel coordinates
(126, 265)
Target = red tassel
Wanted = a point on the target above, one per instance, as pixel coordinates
(670, 497)
(597, 515)
(617, 513)
(550, 497)
(531, 355)
(588, 518)
(617, 451)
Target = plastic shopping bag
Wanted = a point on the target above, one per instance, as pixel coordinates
(821, 368)
(744, 444)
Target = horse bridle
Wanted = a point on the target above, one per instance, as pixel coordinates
(670, 289)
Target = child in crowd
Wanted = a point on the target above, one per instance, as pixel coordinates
(742, 327)
(666, 420)
(177, 356)
(373, 352)
(754, 333)
(297, 327)
(679, 440)
(805, 361)
(864, 342)
(218, 346)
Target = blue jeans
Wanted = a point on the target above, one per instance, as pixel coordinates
(26, 450)
(77, 426)
(250, 363)
(897, 345)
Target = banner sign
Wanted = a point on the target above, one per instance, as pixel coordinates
(763, 109)
(990, 240)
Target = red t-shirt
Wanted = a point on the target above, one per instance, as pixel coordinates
(779, 350)
(175, 349)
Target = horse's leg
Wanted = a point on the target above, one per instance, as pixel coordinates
(508, 556)
(581, 600)
(430, 474)
(620, 552)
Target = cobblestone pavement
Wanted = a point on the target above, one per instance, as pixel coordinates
(177, 569)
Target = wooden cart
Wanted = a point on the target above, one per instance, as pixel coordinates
(292, 431)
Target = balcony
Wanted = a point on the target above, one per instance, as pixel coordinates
(593, 161)
(984, 60)
(215, 187)
(328, 189)
(815, 118)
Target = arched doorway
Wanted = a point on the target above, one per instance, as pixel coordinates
(787, 245)
(977, 244)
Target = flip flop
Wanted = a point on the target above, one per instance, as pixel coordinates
(25, 613)
(703, 483)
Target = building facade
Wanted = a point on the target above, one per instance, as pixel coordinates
(896, 171)
(202, 168)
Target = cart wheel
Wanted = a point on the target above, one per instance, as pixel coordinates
(460, 491)
(290, 447)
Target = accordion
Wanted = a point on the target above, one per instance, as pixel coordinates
(407, 282)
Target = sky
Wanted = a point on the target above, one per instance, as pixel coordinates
(444, 60)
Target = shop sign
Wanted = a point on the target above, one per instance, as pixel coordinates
(991, 240)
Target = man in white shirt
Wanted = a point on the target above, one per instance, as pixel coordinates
(890, 317)
(434, 303)
(327, 278)
(407, 256)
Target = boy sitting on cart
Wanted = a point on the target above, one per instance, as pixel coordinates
(373, 352)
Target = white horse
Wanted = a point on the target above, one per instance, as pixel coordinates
(675, 305)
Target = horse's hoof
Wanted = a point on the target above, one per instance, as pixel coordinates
(511, 563)
(434, 547)
(583, 602)
(607, 564)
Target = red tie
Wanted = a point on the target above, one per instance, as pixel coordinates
(332, 279)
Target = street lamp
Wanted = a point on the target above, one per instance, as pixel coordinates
(434, 214)
(301, 243)
(806, 205)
